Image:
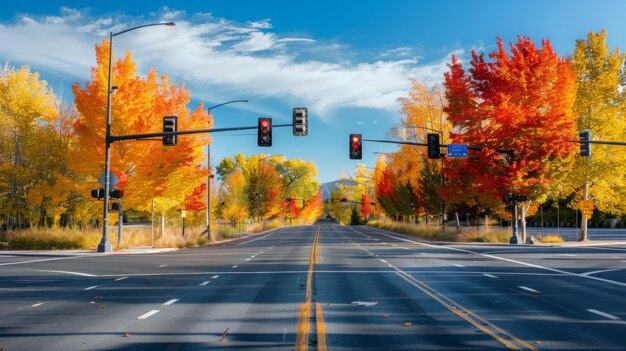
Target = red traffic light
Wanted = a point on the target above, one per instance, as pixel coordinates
(264, 123)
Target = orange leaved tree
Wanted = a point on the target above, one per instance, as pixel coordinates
(520, 101)
(145, 168)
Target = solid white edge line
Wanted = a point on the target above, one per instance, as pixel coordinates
(586, 274)
(67, 272)
(42, 260)
(600, 313)
(490, 276)
(122, 278)
(504, 259)
(93, 287)
(170, 302)
(148, 314)
(529, 289)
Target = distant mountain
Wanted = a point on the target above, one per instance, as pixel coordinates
(330, 186)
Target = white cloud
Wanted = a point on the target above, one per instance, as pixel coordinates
(216, 57)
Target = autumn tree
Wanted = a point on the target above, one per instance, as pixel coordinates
(33, 179)
(146, 169)
(601, 106)
(520, 101)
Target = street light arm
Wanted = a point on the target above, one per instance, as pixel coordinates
(226, 103)
(142, 26)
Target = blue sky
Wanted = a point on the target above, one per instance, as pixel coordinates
(347, 61)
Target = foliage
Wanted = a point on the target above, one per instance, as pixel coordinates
(521, 102)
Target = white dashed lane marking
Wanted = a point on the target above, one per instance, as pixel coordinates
(170, 302)
(122, 278)
(93, 287)
(204, 283)
(490, 276)
(37, 304)
(605, 315)
(529, 289)
(148, 314)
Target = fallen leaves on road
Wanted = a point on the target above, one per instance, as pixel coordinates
(385, 315)
(407, 324)
(127, 334)
(101, 307)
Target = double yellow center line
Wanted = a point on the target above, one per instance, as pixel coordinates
(302, 338)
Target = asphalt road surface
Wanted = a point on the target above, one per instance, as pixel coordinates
(322, 287)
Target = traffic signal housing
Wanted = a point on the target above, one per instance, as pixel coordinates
(116, 194)
(97, 193)
(585, 147)
(433, 146)
(356, 147)
(170, 124)
(264, 132)
(300, 121)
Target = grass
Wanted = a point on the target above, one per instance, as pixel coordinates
(88, 239)
(437, 234)
(550, 239)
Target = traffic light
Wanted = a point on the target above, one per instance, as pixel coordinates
(343, 199)
(585, 147)
(433, 146)
(97, 193)
(170, 124)
(264, 132)
(515, 198)
(356, 147)
(300, 121)
(115, 206)
(116, 194)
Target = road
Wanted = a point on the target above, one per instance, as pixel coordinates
(322, 287)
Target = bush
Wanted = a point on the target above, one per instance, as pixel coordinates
(226, 232)
(53, 239)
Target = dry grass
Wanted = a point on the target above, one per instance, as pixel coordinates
(438, 234)
(550, 239)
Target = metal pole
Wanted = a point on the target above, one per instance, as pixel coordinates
(120, 223)
(258, 191)
(208, 192)
(105, 245)
(514, 239)
(583, 222)
(152, 231)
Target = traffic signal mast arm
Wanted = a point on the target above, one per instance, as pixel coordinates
(113, 138)
(622, 143)
(477, 148)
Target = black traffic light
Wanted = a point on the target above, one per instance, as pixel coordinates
(356, 147)
(115, 206)
(433, 146)
(585, 147)
(515, 198)
(264, 132)
(170, 124)
(116, 194)
(300, 121)
(97, 193)
(343, 199)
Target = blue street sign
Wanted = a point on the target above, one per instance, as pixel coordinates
(457, 150)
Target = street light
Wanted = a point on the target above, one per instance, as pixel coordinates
(210, 174)
(105, 245)
(258, 183)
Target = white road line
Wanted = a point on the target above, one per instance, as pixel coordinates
(247, 242)
(214, 277)
(529, 289)
(170, 302)
(459, 265)
(235, 266)
(508, 260)
(247, 259)
(42, 260)
(93, 287)
(37, 304)
(204, 283)
(122, 278)
(7, 256)
(605, 315)
(570, 255)
(381, 260)
(67, 272)
(586, 274)
(490, 276)
(148, 314)
(163, 265)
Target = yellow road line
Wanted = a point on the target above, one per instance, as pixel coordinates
(305, 308)
(320, 327)
(468, 315)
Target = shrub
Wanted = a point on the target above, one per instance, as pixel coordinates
(551, 239)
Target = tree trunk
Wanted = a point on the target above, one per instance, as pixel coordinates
(524, 210)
